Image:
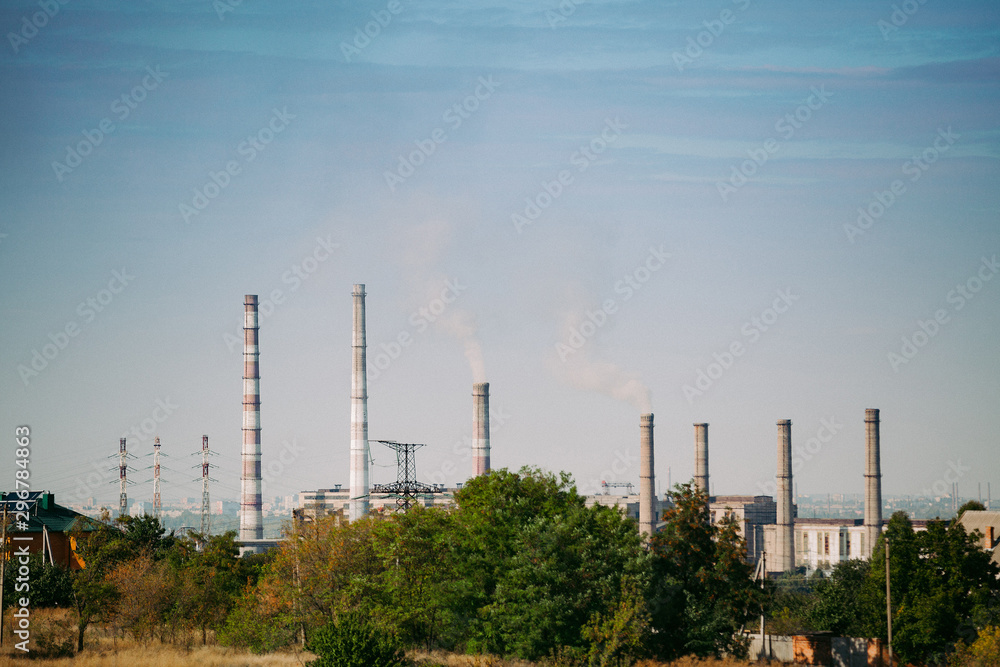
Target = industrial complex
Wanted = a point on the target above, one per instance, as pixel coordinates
(772, 530)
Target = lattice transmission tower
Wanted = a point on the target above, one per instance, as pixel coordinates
(406, 486)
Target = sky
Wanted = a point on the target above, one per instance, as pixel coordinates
(730, 212)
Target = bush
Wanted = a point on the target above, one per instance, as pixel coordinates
(984, 652)
(354, 641)
(248, 626)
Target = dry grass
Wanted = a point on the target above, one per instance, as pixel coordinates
(457, 660)
(104, 649)
(454, 660)
(159, 655)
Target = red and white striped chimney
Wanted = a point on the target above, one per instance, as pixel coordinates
(251, 517)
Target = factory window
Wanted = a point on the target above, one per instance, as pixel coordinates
(826, 544)
(805, 542)
(863, 545)
(845, 545)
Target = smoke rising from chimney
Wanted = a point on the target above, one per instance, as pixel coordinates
(435, 293)
(581, 371)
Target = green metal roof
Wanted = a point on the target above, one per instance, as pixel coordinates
(43, 511)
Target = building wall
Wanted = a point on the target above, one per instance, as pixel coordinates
(62, 549)
(752, 513)
(822, 546)
(325, 501)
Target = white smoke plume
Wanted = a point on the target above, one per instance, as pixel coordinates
(580, 370)
(422, 257)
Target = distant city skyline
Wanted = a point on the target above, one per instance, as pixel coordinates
(731, 213)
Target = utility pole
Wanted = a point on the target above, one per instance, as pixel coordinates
(157, 504)
(888, 598)
(122, 478)
(206, 516)
(763, 576)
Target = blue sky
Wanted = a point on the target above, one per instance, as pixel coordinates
(673, 169)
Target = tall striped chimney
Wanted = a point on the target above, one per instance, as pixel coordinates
(873, 481)
(480, 428)
(647, 492)
(785, 536)
(701, 457)
(359, 411)
(251, 518)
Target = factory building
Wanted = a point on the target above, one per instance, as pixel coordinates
(769, 525)
(323, 502)
(752, 513)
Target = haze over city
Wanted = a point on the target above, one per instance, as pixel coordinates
(731, 213)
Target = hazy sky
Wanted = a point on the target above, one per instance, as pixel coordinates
(738, 211)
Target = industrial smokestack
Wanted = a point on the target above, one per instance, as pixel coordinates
(480, 428)
(785, 542)
(873, 482)
(359, 411)
(647, 493)
(701, 457)
(251, 518)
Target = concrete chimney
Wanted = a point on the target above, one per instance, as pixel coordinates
(647, 487)
(701, 457)
(480, 428)
(873, 482)
(359, 411)
(251, 518)
(785, 536)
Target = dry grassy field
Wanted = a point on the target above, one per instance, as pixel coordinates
(105, 649)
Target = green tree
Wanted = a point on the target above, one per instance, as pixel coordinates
(103, 549)
(838, 599)
(703, 591)
(208, 581)
(971, 505)
(536, 564)
(417, 582)
(940, 578)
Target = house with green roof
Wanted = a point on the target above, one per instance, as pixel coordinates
(52, 529)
